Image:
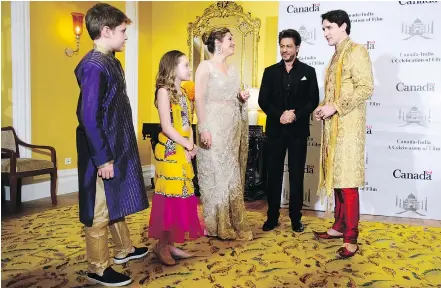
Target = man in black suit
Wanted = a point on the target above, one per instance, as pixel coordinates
(288, 95)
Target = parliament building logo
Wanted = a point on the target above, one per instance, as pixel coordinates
(414, 116)
(417, 28)
(308, 36)
(411, 204)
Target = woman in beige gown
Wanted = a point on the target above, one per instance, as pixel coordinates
(223, 128)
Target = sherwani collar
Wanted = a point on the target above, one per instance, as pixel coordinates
(342, 45)
(103, 50)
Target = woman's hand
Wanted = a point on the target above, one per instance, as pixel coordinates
(206, 139)
(244, 95)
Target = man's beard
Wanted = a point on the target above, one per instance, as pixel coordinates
(291, 58)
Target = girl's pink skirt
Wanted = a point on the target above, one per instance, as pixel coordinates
(179, 216)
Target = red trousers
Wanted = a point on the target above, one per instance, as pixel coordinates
(347, 213)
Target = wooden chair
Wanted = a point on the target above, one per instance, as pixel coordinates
(14, 168)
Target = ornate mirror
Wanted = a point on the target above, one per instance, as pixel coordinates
(245, 30)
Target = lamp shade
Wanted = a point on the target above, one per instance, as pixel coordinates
(77, 19)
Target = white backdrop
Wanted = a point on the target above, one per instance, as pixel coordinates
(403, 143)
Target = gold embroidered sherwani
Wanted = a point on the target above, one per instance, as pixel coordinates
(356, 86)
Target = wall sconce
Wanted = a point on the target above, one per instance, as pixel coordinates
(77, 19)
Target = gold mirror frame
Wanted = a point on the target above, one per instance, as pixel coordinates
(247, 25)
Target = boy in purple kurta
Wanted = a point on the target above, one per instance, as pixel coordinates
(111, 184)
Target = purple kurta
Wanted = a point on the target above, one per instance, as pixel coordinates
(105, 132)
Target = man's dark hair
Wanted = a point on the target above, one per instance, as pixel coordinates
(339, 17)
(101, 15)
(291, 33)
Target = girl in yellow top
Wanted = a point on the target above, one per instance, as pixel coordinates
(174, 205)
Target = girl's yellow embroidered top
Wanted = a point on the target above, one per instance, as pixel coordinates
(173, 173)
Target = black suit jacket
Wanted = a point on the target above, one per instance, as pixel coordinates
(304, 99)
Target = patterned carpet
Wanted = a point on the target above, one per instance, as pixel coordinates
(47, 250)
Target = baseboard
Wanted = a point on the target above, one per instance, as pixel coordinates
(34, 189)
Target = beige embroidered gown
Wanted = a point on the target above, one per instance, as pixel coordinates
(221, 168)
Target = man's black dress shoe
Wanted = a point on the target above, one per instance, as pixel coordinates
(268, 226)
(298, 227)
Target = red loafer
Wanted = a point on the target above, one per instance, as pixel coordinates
(325, 235)
(344, 253)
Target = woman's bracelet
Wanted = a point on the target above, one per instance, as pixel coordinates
(191, 148)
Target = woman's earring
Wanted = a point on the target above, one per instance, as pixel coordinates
(219, 49)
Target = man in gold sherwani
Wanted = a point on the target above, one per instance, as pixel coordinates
(348, 84)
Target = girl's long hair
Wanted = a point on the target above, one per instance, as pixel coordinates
(167, 74)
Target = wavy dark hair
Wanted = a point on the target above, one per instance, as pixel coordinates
(291, 33)
(339, 17)
(167, 74)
